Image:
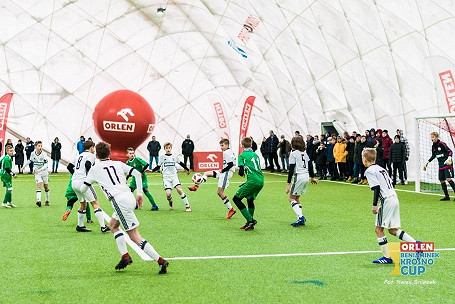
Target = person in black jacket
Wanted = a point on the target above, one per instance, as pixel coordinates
(264, 153)
(29, 148)
(154, 148)
(187, 151)
(56, 146)
(350, 158)
(271, 145)
(19, 155)
(321, 161)
(397, 157)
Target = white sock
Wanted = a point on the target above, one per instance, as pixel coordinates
(80, 217)
(297, 208)
(121, 242)
(185, 199)
(48, 194)
(99, 216)
(151, 252)
(38, 195)
(404, 236)
(227, 203)
(382, 241)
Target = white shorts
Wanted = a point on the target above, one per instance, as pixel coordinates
(42, 177)
(223, 179)
(170, 182)
(124, 205)
(87, 196)
(299, 184)
(388, 215)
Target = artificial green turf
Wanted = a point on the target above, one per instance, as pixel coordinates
(44, 260)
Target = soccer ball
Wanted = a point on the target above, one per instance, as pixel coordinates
(197, 178)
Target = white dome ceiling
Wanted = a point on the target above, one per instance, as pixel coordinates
(361, 63)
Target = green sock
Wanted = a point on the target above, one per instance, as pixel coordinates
(8, 197)
(150, 197)
(88, 214)
(246, 214)
(251, 211)
(69, 207)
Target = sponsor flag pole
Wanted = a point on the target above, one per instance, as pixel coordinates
(245, 119)
(5, 102)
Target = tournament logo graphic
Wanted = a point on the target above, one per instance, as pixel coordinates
(412, 259)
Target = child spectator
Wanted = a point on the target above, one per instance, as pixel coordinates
(397, 157)
(321, 161)
(350, 158)
(331, 160)
(387, 143)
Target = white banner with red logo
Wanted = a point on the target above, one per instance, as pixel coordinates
(222, 124)
(245, 119)
(5, 102)
(443, 72)
(207, 161)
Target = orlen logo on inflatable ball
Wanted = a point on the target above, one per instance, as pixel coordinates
(124, 119)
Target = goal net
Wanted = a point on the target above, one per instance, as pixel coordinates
(428, 180)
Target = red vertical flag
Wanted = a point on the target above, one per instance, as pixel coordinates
(245, 119)
(5, 102)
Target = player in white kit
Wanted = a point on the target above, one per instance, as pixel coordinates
(40, 163)
(110, 176)
(224, 176)
(301, 168)
(388, 211)
(79, 169)
(168, 167)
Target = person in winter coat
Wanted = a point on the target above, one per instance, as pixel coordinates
(56, 154)
(187, 151)
(264, 153)
(340, 154)
(332, 167)
(350, 158)
(397, 158)
(321, 161)
(386, 143)
(285, 149)
(19, 155)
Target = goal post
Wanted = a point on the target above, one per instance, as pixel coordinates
(444, 125)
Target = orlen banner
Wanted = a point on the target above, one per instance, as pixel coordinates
(443, 72)
(245, 119)
(222, 126)
(5, 102)
(207, 161)
(124, 119)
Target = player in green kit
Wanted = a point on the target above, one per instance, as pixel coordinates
(248, 164)
(7, 175)
(141, 166)
(71, 198)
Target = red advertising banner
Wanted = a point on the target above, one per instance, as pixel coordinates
(208, 161)
(448, 87)
(5, 102)
(245, 119)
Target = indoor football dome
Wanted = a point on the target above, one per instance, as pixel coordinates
(355, 64)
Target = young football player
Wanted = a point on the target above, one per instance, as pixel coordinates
(250, 165)
(110, 176)
(167, 165)
(388, 211)
(7, 174)
(79, 168)
(443, 153)
(140, 165)
(224, 176)
(71, 198)
(301, 168)
(40, 162)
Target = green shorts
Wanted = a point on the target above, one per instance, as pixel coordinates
(249, 190)
(145, 183)
(7, 181)
(70, 194)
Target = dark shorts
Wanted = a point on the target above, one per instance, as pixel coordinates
(446, 173)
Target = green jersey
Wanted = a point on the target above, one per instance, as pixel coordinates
(6, 163)
(140, 165)
(251, 163)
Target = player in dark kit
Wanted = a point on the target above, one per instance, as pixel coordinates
(442, 152)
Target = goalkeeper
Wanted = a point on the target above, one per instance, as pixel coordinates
(442, 152)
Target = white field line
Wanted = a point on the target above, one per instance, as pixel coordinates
(254, 256)
(132, 244)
